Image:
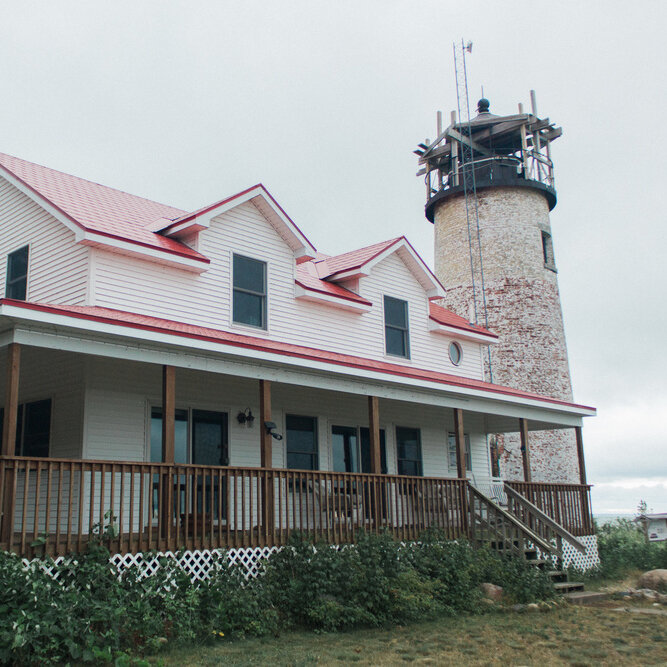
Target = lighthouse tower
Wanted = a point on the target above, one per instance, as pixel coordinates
(490, 188)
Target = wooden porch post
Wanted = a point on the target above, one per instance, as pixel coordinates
(168, 449)
(11, 399)
(265, 439)
(9, 436)
(585, 503)
(266, 460)
(374, 430)
(460, 444)
(168, 413)
(580, 454)
(525, 451)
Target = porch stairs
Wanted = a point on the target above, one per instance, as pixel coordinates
(523, 530)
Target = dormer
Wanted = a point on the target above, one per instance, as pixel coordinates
(191, 224)
(358, 264)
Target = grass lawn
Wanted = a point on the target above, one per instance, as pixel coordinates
(566, 635)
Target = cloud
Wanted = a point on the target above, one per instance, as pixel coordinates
(627, 440)
(622, 496)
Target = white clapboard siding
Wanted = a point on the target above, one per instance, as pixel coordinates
(58, 267)
(204, 299)
(130, 388)
(60, 377)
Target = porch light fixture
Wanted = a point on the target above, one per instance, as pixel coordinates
(270, 427)
(245, 417)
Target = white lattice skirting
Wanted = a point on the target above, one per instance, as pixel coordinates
(583, 562)
(199, 564)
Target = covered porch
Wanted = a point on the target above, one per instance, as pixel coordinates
(157, 445)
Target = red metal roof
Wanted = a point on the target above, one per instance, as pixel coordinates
(306, 276)
(450, 319)
(354, 259)
(98, 208)
(159, 325)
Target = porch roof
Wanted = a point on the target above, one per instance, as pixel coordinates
(117, 320)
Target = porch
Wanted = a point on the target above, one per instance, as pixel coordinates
(159, 445)
(55, 506)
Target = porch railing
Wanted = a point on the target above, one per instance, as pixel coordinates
(491, 524)
(54, 506)
(540, 523)
(567, 504)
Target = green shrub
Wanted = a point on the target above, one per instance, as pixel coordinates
(622, 547)
(91, 613)
(230, 605)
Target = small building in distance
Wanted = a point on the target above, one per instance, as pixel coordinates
(655, 526)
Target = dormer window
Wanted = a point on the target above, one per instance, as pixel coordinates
(396, 335)
(249, 297)
(16, 286)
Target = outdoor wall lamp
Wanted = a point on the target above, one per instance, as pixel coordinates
(245, 417)
(270, 427)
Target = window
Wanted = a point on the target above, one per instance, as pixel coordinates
(451, 445)
(351, 449)
(345, 449)
(17, 274)
(301, 444)
(455, 353)
(200, 437)
(365, 443)
(396, 337)
(33, 428)
(204, 443)
(409, 451)
(548, 251)
(249, 294)
(180, 436)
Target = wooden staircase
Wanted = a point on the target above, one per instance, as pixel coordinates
(525, 531)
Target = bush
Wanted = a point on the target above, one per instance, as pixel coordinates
(85, 611)
(380, 581)
(230, 606)
(622, 547)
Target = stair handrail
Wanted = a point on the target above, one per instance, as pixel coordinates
(525, 530)
(535, 511)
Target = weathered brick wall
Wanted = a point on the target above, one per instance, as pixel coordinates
(523, 308)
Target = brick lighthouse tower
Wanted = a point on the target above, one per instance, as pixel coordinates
(490, 188)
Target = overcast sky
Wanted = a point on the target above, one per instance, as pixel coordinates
(323, 102)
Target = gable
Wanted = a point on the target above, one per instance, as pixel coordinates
(99, 215)
(261, 198)
(57, 265)
(359, 263)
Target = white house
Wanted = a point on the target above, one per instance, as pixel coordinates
(300, 390)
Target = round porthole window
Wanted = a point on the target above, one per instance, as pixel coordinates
(455, 353)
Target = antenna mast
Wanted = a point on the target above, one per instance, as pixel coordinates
(467, 160)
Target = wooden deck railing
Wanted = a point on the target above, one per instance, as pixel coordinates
(54, 505)
(540, 523)
(491, 524)
(567, 504)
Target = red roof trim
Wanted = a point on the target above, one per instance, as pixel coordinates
(282, 210)
(210, 207)
(447, 318)
(390, 244)
(369, 259)
(206, 209)
(41, 196)
(286, 349)
(472, 329)
(355, 298)
(192, 254)
(426, 266)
